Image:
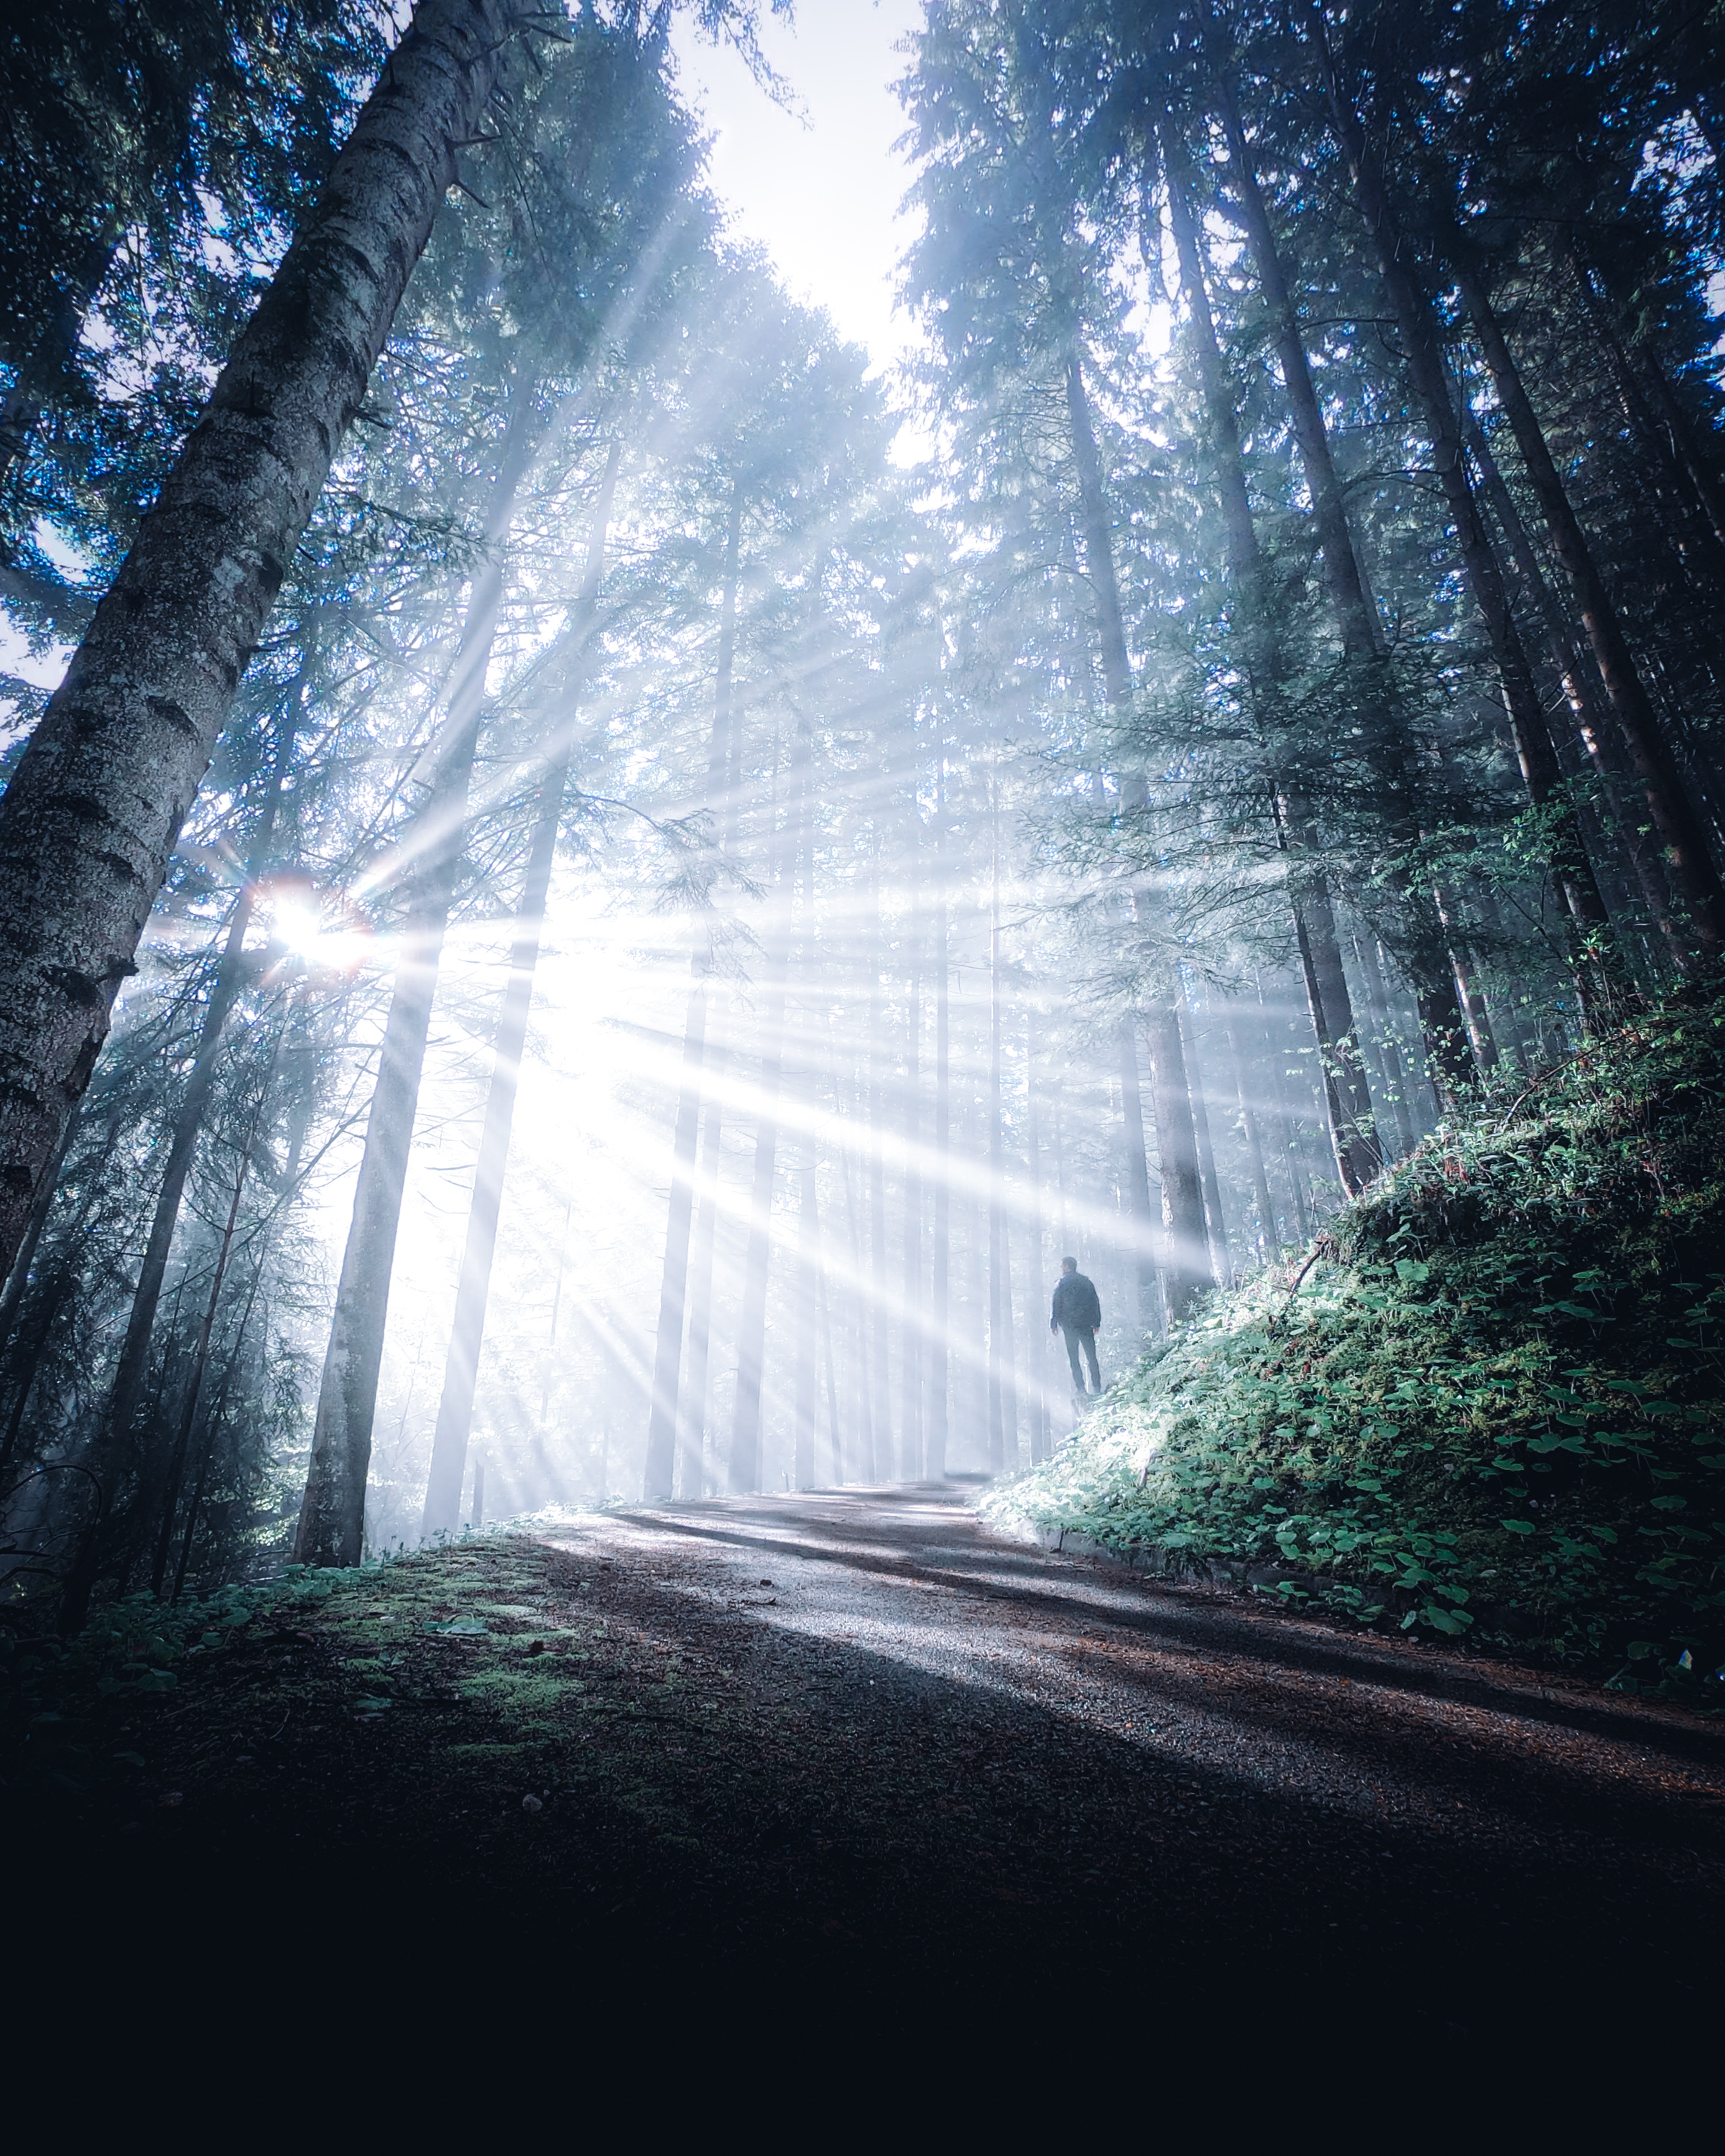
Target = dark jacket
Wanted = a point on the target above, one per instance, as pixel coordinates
(1075, 1302)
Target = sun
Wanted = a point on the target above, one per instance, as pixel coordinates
(322, 930)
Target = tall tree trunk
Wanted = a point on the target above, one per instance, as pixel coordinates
(1275, 1054)
(1582, 686)
(665, 1416)
(1003, 1443)
(1176, 1145)
(751, 1330)
(696, 1406)
(1689, 863)
(940, 1250)
(1038, 1270)
(454, 1412)
(1353, 606)
(331, 1528)
(1346, 1095)
(134, 1359)
(200, 1354)
(1697, 543)
(662, 1414)
(836, 1443)
(806, 1316)
(1378, 1018)
(915, 1312)
(859, 1301)
(212, 1429)
(880, 1385)
(810, 1300)
(1221, 1263)
(16, 1287)
(1268, 1242)
(1587, 921)
(1184, 1241)
(1139, 1210)
(1355, 615)
(24, 1360)
(90, 817)
(111, 1452)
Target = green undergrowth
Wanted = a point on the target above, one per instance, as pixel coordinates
(55, 1695)
(1491, 1407)
(78, 1715)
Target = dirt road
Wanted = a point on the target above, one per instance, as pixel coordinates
(850, 1730)
(969, 1721)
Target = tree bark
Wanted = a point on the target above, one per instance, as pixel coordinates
(1139, 1210)
(331, 1528)
(694, 1412)
(807, 1316)
(1582, 689)
(1587, 924)
(940, 1250)
(1221, 1263)
(454, 1412)
(1003, 1406)
(915, 1312)
(880, 1362)
(1268, 1242)
(746, 1428)
(859, 1301)
(134, 1361)
(110, 1451)
(1688, 862)
(1033, 1165)
(96, 805)
(213, 1429)
(200, 1354)
(1356, 613)
(664, 1417)
(18, 1286)
(1182, 1203)
(1377, 1015)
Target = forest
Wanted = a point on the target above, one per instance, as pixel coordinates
(608, 889)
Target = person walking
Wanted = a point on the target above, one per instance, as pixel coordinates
(1077, 1312)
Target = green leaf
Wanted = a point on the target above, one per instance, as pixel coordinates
(1518, 1526)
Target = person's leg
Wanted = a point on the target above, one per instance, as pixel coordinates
(1071, 1334)
(1089, 1337)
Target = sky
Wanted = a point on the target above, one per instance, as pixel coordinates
(818, 186)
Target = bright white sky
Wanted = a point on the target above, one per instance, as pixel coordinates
(818, 186)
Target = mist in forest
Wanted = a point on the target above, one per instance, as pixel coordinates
(615, 883)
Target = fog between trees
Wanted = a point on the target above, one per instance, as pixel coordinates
(689, 915)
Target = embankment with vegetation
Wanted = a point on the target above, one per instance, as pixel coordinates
(1490, 1404)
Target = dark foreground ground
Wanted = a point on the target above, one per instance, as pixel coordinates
(842, 1741)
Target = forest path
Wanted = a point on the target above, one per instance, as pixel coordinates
(853, 1734)
(966, 1741)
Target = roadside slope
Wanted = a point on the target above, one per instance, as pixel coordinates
(1491, 1402)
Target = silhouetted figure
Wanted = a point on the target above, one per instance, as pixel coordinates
(1077, 1314)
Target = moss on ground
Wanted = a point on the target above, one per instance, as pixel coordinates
(1492, 1404)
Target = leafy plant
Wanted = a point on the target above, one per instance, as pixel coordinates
(1491, 1407)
